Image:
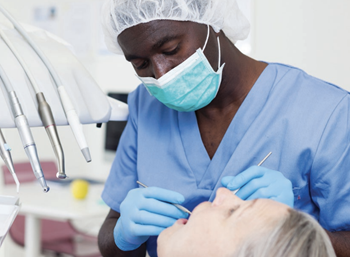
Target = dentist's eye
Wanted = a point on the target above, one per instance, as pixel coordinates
(142, 66)
(172, 52)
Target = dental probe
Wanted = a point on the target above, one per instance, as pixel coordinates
(44, 110)
(24, 132)
(181, 208)
(262, 161)
(6, 156)
(68, 107)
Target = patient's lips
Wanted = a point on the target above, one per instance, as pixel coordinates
(181, 221)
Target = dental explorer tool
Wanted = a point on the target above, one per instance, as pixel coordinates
(24, 132)
(68, 107)
(262, 161)
(6, 156)
(44, 110)
(181, 208)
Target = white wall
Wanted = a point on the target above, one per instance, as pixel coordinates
(313, 35)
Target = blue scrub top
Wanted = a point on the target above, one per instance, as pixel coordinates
(303, 121)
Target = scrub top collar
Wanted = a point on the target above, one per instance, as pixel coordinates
(205, 170)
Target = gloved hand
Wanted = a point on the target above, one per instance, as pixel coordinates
(259, 182)
(146, 212)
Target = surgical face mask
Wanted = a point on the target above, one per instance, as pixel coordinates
(190, 86)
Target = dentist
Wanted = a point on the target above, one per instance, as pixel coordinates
(206, 114)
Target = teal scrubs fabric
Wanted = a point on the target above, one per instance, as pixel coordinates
(303, 121)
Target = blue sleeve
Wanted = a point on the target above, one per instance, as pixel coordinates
(330, 174)
(123, 174)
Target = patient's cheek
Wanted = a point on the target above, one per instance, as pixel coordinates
(163, 244)
(201, 207)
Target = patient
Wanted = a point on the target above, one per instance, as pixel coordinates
(235, 228)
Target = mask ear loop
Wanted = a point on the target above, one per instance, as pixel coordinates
(207, 39)
(219, 48)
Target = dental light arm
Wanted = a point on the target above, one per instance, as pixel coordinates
(68, 106)
(6, 157)
(24, 132)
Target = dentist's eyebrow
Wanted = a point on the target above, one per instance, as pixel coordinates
(164, 40)
(130, 57)
(157, 45)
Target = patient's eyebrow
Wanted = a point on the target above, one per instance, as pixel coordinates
(232, 210)
(251, 205)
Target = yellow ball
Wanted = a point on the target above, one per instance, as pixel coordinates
(79, 188)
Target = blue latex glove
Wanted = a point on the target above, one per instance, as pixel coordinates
(146, 212)
(259, 182)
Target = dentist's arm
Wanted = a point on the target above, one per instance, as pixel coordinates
(341, 242)
(106, 242)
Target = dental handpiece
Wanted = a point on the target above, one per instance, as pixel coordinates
(27, 139)
(6, 156)
(262, 161)
(181, 208)
(51, 130)
(74, 122)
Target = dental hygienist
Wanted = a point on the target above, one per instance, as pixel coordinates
(205, 115)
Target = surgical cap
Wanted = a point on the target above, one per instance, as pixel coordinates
(119, 15)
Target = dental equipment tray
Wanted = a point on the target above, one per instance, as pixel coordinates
(9, 207)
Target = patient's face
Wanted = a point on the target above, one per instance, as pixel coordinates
(218, 228)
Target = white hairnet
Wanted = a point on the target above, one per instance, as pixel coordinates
(118, 15)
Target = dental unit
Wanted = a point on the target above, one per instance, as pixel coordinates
(44, 110)
(68, 107)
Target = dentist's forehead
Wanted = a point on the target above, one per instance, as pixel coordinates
(155, 34)
(151, 32)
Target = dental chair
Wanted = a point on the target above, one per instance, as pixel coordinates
(58, 237)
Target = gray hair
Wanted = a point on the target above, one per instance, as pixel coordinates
(296, 235)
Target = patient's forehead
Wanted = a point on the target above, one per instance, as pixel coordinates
(272, 204)
(270, 209)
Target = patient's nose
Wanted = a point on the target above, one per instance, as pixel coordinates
(225, 196)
